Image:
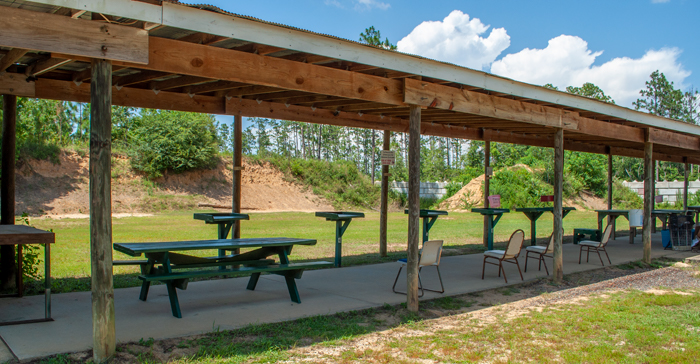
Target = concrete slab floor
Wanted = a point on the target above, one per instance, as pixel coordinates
(226, 304)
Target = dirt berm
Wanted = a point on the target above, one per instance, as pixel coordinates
(44, 188)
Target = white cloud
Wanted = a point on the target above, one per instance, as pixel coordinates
(567, 61)
(659, 1)
(333, 3)
(457, 39)
(369, 4)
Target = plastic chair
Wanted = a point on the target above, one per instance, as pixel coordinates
(540, 252)
(510, 255)
(596, 246)
(430, 256)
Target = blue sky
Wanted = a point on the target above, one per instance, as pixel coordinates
(614, 44)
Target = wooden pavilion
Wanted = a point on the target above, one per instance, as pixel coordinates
(198, 58)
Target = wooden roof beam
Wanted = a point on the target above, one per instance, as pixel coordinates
(177, 82)
(34, 30)
(11, 58)
(143, 76)
(214, 86)
(45, 65)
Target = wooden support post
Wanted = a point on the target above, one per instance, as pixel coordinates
(648, 199)
(487, 190)
(558, 228)
(237, 171)
(610, 189)
(413, 207)
(8, 269)
(103, 331)
(654, 178)
(384, 199)
(685, 183)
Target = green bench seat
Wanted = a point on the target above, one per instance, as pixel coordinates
(180, 279)
(581, 234)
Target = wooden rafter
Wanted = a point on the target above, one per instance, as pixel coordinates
(11, 57)
(46, 65)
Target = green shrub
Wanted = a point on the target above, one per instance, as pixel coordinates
(340, 182)
(38, 150)
(519, 188)
(624, 198)
(173, 140)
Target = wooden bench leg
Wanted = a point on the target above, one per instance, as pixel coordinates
(292, 287)
(146, 268)
(174, 303)
(253, 282)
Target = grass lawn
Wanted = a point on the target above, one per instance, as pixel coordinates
(462, 233)
(496, 326)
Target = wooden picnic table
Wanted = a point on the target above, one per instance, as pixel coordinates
(429, 217)
(21, 235)
(170, 262)
(534, 213)
(493, 216)
(342, 221)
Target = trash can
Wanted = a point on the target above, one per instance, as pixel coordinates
(681, 227)
(666, 238)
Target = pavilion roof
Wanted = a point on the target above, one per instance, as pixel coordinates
(200, 58)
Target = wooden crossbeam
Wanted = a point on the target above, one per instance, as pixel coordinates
(214, 86)
(11, 57)
(61, 34)
(46, 65)
(69, 91)
(16, 84)
(450, 98)
(144, 76)
(176, 57)
(177, 82)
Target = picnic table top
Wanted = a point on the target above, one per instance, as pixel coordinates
(542, 209)
(220, 217)
(490, 211)
(23, 235)
(429, 213)
(339, 215)
(653, 211)
(136, 249)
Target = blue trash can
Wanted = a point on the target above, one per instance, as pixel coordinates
(666, 239)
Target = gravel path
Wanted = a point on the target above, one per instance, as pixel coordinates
(664, 278)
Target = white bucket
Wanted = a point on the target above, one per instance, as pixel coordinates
(636, 218)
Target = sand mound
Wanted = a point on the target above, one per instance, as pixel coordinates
(469, 196)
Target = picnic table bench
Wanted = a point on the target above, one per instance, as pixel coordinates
(167, 265)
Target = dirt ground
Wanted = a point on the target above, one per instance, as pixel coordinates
(60, 190)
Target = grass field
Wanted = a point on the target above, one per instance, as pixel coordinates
(462, 233)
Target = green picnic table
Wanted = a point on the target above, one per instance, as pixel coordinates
(175, 268)
(224, 220)
(534, 213)
(493, 216)
(429, 217)
(342, 220)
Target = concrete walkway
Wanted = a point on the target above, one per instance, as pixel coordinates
(226, 304)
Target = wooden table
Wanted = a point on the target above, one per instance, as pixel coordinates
(170, 262)
(534, 213)
(342, 221)
(493, 216)
(429, 217)
(21, 235)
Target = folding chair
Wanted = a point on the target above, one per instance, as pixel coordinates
(430, 256)
(510, 255)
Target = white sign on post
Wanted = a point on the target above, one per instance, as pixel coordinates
(388, 157)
